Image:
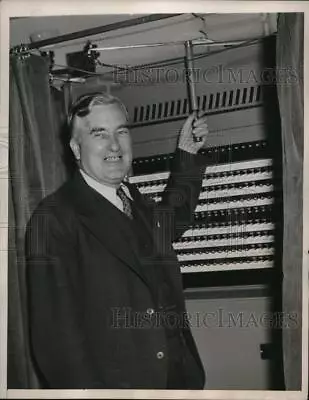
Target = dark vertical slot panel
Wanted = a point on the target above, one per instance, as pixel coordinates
(135, 114)
(147, 113)
(211, 100)
(178, 107)
(217, 103)
(223, 102)
(141, 114)
(172, 109)
(153, 113)
(231, 96)
(237, 98)
(251, 94)
(244, 95)
(272, 129)
(159, 110)
(204, 102)
(185, 106)
(165, 109)
(258, 93)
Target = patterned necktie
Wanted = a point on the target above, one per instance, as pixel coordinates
(127, 209)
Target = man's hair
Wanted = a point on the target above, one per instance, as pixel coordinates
(84, 104)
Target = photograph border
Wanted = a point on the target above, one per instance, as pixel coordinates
(32, 8)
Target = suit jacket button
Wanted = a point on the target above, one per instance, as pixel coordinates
(160, 355)
(150, 311)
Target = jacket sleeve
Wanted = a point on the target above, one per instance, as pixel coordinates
(58, 343)
(180, 197)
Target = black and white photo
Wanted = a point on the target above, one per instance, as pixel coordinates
(155, 201)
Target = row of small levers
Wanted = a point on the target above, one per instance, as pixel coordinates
(221, 247)
(224, 186)
(211, 172)
(227, 265)
(245, 246)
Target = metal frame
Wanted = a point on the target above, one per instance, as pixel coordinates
(100, 29)
(194, 42)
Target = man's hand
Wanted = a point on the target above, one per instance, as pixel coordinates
(194, 127)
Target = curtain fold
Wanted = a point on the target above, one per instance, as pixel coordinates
(290, 56)
(36, 168)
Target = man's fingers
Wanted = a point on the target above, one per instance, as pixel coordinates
(196, 125)
(201, 129)
(200, 132)
(200, 135)
(200, 121)
(203, 125)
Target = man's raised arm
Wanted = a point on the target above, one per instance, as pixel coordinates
(182, 191)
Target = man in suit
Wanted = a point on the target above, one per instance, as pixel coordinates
(106, 306)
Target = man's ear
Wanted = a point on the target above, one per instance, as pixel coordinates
(75, 148)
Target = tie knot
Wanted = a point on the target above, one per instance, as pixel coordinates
(120, 192)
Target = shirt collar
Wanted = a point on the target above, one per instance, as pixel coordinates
(107, 191)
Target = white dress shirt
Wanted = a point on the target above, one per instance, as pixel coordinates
(106, 191)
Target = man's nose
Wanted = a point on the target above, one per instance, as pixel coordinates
(114, 142)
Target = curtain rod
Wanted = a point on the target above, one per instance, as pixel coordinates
(100, 29)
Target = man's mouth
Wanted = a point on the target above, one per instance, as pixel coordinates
(113, 158)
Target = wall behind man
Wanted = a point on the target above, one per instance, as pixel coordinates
(229, 329)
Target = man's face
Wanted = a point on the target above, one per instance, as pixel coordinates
(103, 144)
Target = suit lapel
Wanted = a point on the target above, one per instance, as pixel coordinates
(140, 208)
(154, 229)
(103, 220)
(147, 215)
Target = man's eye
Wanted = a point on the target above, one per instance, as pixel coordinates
(123, 132)
(99, 133)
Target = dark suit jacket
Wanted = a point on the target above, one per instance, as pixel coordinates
(85, 278)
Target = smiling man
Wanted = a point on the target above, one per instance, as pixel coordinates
(106, 305)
